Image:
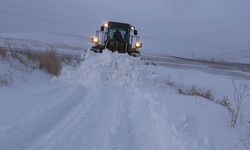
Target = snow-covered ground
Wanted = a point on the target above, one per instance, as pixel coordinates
(114, 101)
(44, 41)
(62, 43)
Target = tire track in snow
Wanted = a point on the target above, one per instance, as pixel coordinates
(25, 132)
(123, 137)
(169, 135)
(114, 121)
(99, 124)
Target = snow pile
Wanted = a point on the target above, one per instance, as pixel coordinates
(108, 68)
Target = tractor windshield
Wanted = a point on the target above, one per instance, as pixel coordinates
(118, 34)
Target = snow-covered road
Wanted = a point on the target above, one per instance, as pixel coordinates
(224, 65)
(109, 101)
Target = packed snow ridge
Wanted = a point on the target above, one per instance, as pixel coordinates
(108, 68)
(111, 101)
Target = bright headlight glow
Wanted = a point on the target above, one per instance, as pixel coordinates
(132, 28)
(95, 39)
(106, 25)
(138, 44)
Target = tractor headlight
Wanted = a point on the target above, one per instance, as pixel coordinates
(138, 44)
(95, 39)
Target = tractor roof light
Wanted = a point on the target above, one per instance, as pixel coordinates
(138, 44)
(95, 39)
(106, 25)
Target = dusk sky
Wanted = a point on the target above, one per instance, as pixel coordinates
(177, 23)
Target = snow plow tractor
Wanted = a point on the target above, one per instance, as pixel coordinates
(117, 37)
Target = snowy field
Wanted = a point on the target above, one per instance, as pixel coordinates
(44, 41)
(114, 101)
(63, 43)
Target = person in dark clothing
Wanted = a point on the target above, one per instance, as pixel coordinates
(118, 36)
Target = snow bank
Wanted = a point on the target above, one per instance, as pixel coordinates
(15, 72)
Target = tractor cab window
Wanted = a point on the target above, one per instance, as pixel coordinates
(118, 34)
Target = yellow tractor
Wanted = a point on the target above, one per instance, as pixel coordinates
(117, 37)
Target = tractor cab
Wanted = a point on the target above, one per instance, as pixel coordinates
(117, 37)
